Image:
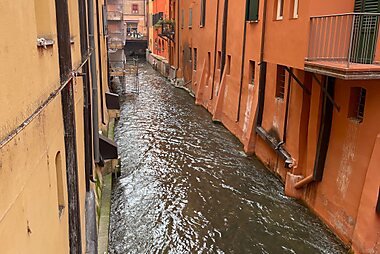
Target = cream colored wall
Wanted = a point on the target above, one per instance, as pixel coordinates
(29, 218)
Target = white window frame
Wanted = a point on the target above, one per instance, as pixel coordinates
(295, 9)
(280, 6)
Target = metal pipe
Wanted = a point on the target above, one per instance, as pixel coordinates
(351, 41)
(263, 73)
(94, 80)
(304, 182)
(178, 29)
(69, 125)
(346, 14)
(242, 66)
(287, 109)
(215, 48)
(224, 36)
(86, 92)
(324, 131)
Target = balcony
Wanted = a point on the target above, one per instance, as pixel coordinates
(116, 40)
(114, 13)
(345, 46)
(166, 29)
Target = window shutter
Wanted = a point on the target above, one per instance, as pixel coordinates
(190, 17)
(371, 6)
(252, 13)
(203, 13)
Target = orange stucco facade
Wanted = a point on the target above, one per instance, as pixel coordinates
(159, 45)
(306, 132)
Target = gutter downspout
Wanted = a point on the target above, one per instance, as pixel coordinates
(224, 36)
(177, 37)
(261, 101)
(287, 110)
(69, 125)
(215, 48)
(263, 72)
(100, 62)
(95, 118)
(324, 135)
(86, 92)
(242, 65)
(90, 210)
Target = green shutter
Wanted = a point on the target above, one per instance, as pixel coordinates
(252, 12)
(203, 13)
(371, 6)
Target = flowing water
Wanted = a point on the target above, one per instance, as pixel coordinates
(187, 186)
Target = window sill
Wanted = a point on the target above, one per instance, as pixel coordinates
(279, 18)
(252, 21)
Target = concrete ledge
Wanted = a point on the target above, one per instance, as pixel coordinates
(105, 203)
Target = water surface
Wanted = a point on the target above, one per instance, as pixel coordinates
(188, 187)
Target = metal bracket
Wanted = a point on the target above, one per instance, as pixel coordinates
(297, 80)
(327, 94)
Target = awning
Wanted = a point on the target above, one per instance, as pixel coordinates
(107, 148)
(112, 101)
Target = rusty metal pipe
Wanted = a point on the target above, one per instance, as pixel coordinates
(304, 182)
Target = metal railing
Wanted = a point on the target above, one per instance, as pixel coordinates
(344, 38)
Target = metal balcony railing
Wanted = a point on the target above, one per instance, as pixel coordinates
(350, 38)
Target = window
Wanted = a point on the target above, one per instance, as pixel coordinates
(190, 17)
(182, 19)
(252, 12)
(280, 82)
(357, 103)
(251, 72)
(190, 55)
(195, 58)
(295, 9)
(219, 60)
(280, 10)
(59, 175)
(228, 70)
(203, 13)
(131, 28)
(135, 8)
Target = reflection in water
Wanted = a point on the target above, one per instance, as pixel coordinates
(187, 186)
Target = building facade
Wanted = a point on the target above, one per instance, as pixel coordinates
(54, 120)
(134, 12)
(297, 83)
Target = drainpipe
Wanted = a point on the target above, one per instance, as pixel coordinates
(95, 118)
(68, 112)
(86, 92)
(90, 211)
(224, 37)
(263, 73)
(324, 135)
(100, 63)
(324, 131)
(242, 65)
(178, 29)
(215, 48)
(287, 110)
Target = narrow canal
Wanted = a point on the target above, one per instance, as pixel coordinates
(187, 186)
